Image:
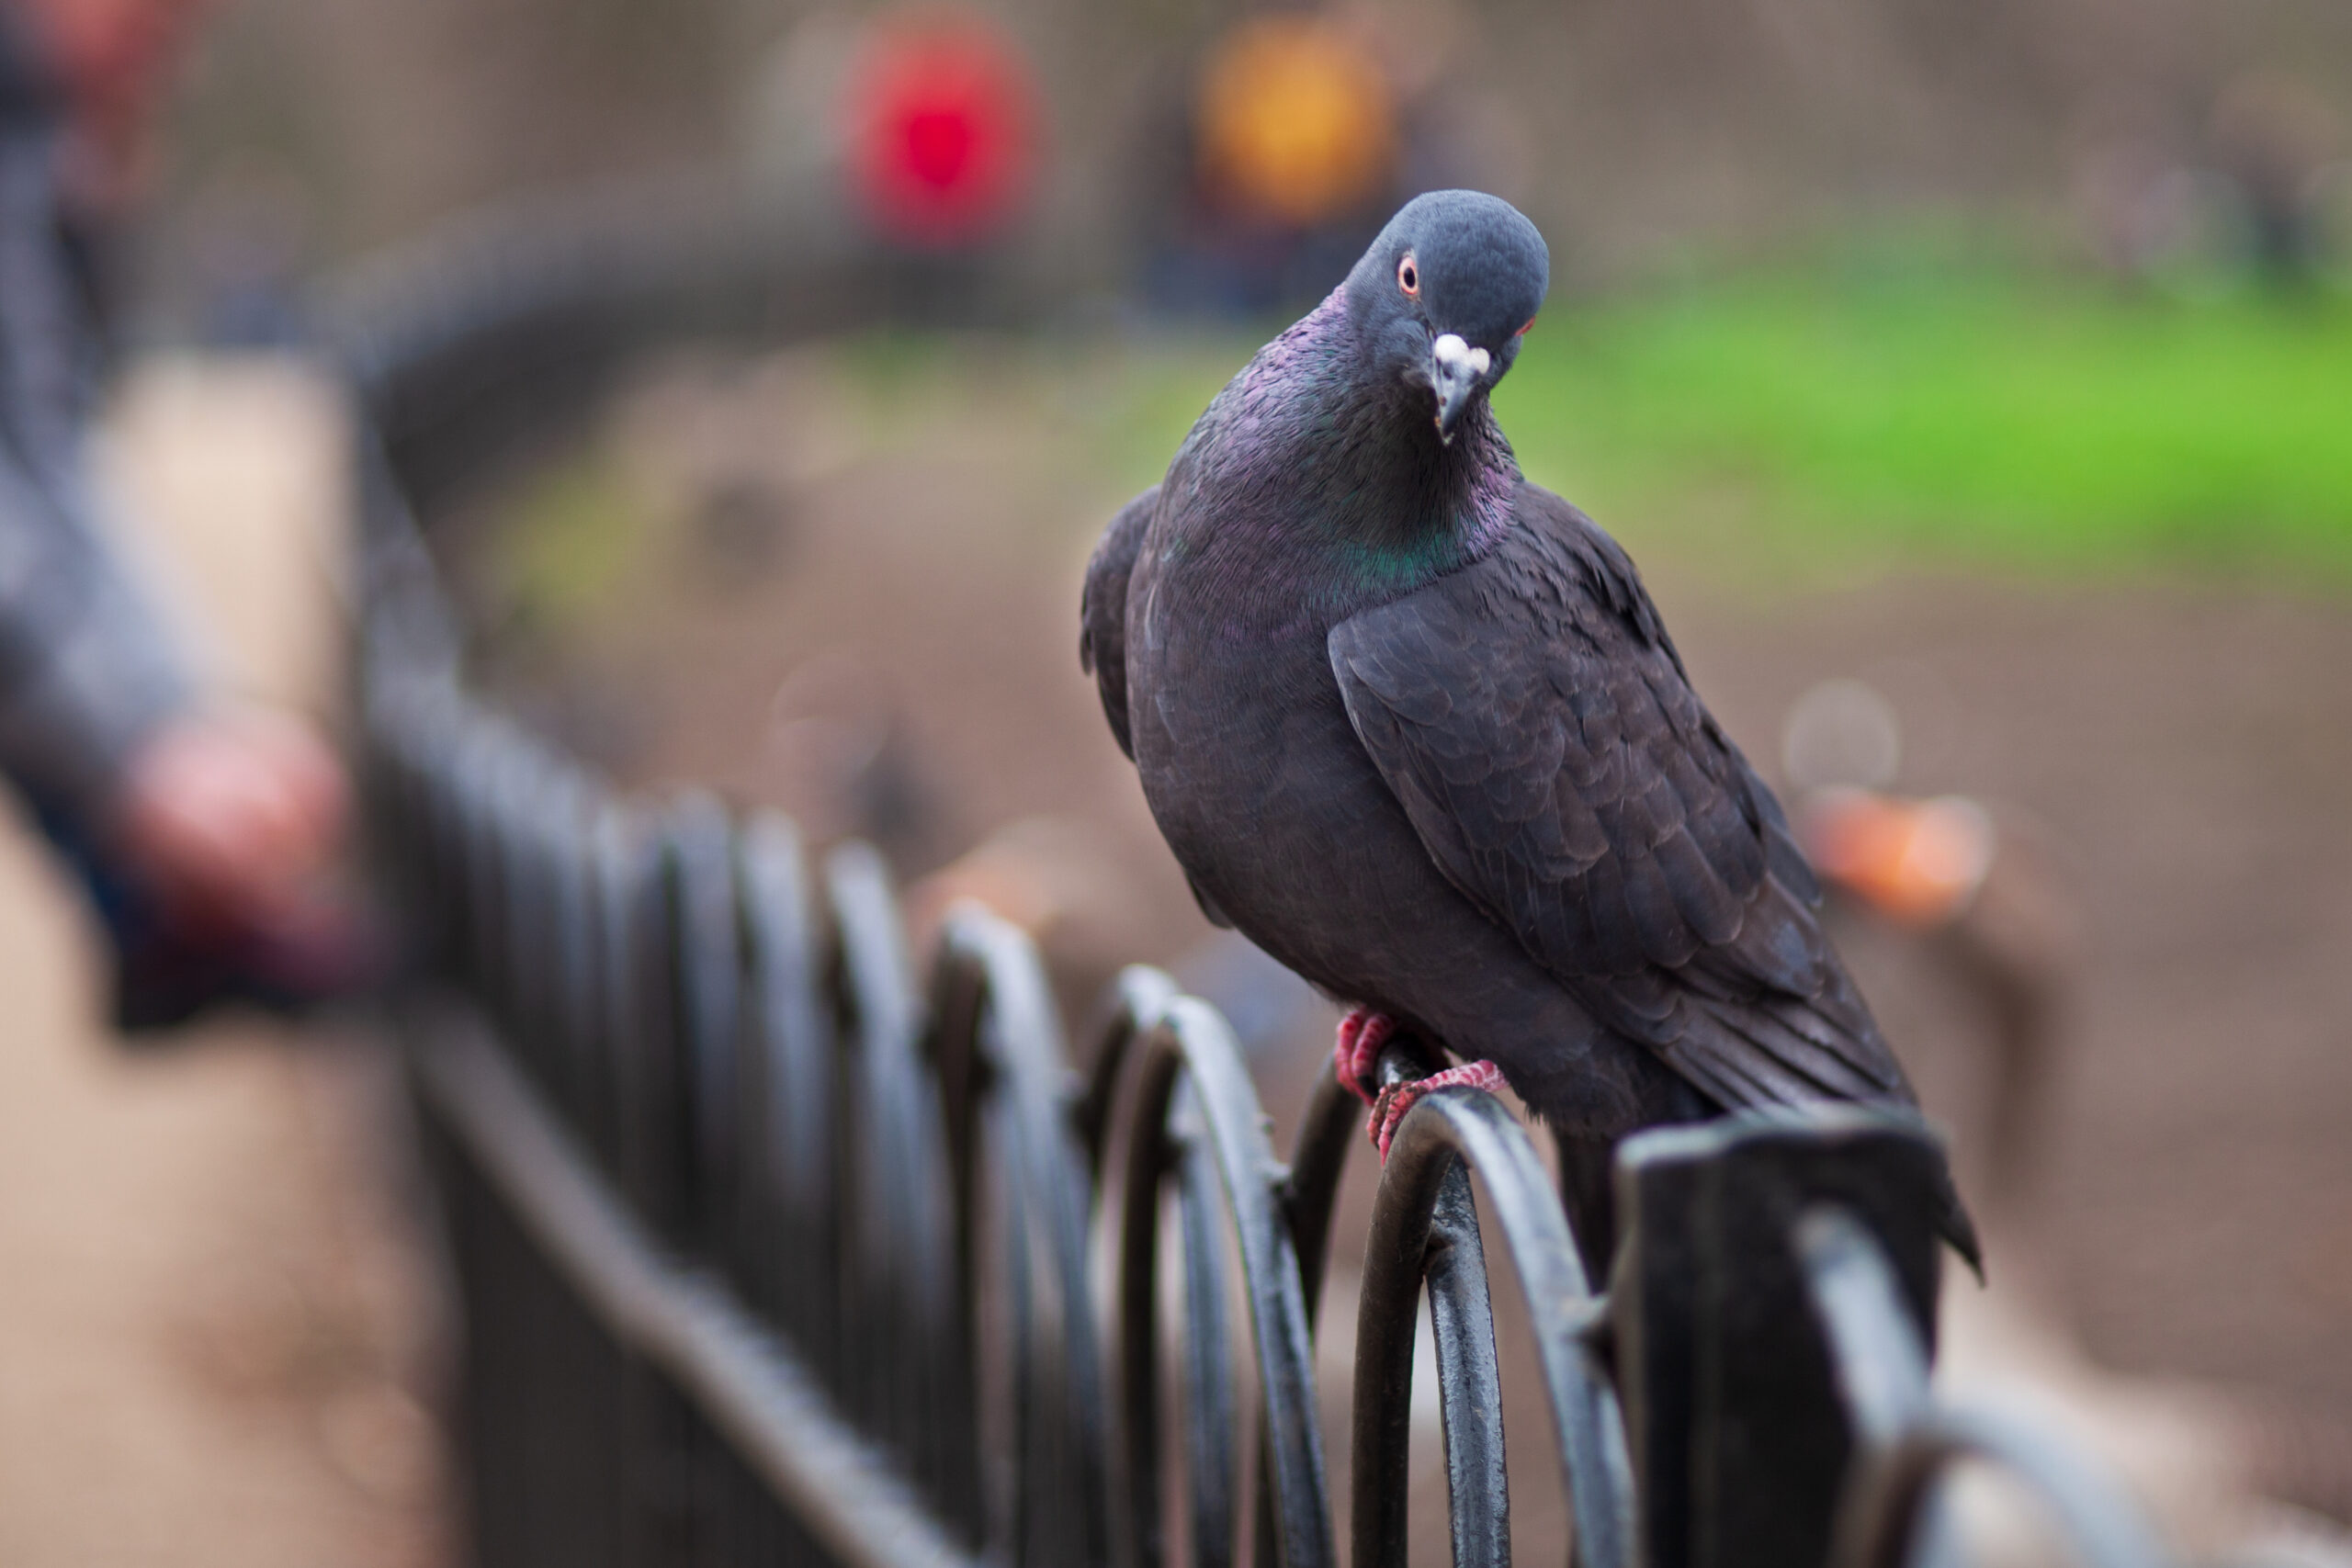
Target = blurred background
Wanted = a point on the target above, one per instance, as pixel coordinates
(1972, 381)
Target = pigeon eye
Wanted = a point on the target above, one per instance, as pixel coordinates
(1525, 329)
(1408, 276)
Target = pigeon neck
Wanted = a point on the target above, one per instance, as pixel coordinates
(1317, 489)
(1405, 507)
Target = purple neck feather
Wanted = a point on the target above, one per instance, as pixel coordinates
(1308, 493)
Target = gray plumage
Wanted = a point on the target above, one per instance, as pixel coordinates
(1413, 725)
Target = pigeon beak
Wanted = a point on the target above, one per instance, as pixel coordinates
(1457, 370)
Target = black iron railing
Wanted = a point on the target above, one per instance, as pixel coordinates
(769, 1251)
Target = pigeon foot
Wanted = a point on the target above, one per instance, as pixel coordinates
(1355, 1057)
(1398, 1098)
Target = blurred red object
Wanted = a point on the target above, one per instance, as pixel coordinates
(943, 131)
(113, 58)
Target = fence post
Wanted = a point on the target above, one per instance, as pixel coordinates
(1739, 1440)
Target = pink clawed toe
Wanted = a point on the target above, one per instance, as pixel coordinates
(1389, 1109)
(1355, 1058)
(1356, 1055)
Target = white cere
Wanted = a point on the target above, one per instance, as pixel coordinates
(1456, 358)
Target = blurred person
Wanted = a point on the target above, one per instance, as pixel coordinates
(944, 133)
(1297, 125)
(2134, 194)
(1279, 165)
(1299, 132)
(205, 832)
(2274, 138)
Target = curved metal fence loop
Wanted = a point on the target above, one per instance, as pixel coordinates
(1185, 1040)
(703, 964)
(1880, 1524)
(567, 821)
(1152, 1152)
(620, 864)
(790, 1092)
(1212, 1427)
(1476, 1130)
(1906, 1443)
(417, 845)
(475, 780)
(1876, 1355)
(996, 1042)
(458, 904)
(453, 895)
(897, 1272)
(522, 780)
(1137, 1000)
(469, 909)
(651, 1115)
(647, 1090)
(400, 775)
(1425, 1234)
(1325, 1135)
(692, 954)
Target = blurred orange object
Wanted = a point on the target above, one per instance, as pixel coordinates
(943, 133)
(1994, 903)
(1918, 862)
(1296, 120)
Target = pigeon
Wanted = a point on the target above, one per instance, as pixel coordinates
(1413, 725)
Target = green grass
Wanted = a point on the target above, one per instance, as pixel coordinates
(1770, 427)
(1812, 422)
(1984, 419)
(571, 537)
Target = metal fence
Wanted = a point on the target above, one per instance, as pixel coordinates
(770, 1249)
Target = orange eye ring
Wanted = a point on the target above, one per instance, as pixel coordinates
(1409, 276)
(1525, 329)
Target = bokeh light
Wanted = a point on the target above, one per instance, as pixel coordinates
(945, 129)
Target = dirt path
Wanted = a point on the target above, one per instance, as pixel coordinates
(210, 1325)
(2189, 748)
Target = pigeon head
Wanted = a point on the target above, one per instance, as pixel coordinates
(1439, 301)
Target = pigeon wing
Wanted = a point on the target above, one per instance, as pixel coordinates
(1537, 725)
(1102, 611)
